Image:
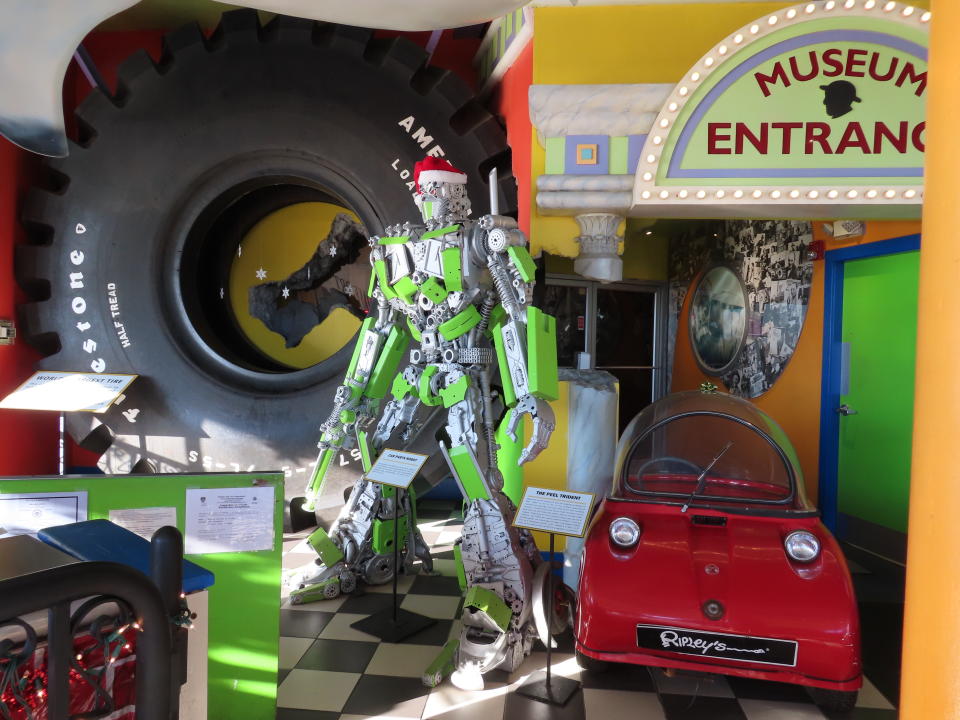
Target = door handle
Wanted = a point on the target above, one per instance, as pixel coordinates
(846, 410)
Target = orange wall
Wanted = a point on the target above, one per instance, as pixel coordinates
(512, 105)
(794, 400)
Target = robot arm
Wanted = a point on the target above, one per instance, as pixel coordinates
(380, 347)
(524, 337)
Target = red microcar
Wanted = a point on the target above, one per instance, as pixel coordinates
(708, 557)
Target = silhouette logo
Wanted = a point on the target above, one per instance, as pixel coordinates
(839, 97)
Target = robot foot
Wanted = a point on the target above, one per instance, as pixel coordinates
(319, 582)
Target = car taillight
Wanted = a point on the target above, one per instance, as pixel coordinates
(624, 532)
(802, 546)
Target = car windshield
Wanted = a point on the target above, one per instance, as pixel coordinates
(706, 456)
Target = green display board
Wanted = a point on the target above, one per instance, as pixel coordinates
(244, 602)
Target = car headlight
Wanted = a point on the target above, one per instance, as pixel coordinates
(802, 546)
(624, 532)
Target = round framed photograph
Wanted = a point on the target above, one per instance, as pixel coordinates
(718, 319)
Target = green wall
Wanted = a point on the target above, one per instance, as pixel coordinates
(244, 602)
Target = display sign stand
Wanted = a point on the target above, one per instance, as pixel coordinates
(396, 469)
(557, 512)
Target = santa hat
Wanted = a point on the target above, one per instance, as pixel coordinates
(434, 169)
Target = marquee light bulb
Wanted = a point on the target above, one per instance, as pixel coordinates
(794, 194)
(926, 16)
(852, 194)
(910, 194)
(664, 123)
(657, 139)
(648, 176)
(870, 4)
(757, 194)
(813, 194)
(809, 8)
(664, 194)
(833, 194)
(738, 38)
(831, 4)
(682, 194)
(651, 158)
(775, 194)
(849, 4)
(720, 194)
(908, 10)
(672, 107)
(722, 50)
(701, 195)
(889, 6)
(683, 91)
(738, 194)
(791, 13)
(890, 194)
(871, 194)
(754, 29)
(645, 194)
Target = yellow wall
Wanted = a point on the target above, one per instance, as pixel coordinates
(623, 44)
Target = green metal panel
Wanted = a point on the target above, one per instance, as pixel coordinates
(523, 262)
(461, 573)
(880, 323)
(405, 288)
(427, 397)
(373, 282)
(509, 393)
(382, 541)
(618, 155)
(460, 324)
(396, 240)
(439, 232)
(456, 392)
(555, 155)
(380, 268)
(413, 330)
(490, 603)
(401, 388)
(243, 609)
(355, 358)
(434, 290)
(508, 457)
(386, 368)
(364, 444)
(452, 278)
(542, 354)
(319, 473)
(328, 552)
(467, 473)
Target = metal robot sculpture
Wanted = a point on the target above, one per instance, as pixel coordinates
(461, 289)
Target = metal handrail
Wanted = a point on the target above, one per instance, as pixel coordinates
(54, 589)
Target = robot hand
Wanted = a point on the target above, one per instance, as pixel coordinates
(543, 424)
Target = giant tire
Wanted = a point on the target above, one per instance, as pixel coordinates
(128, 238)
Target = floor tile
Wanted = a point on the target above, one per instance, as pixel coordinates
(862, 714)
(296, 560)
(442, 607)
(367, 603)
(316, 690)
(403, 586)
(750, 689)
(615, 704)
(686, 683)
(339, 629)
(871, 697)
(447, 568)
(435, 585)
(699, 707)
(774, 710)
(518, 706)
(381, 695)
(281, 676)
(296, 623)
(291, 650)
(619, 676)
(436, 634)
(330, 606)
(337, 655)
(447, 702)
(402, 660)
(449, 536)
(294, 714)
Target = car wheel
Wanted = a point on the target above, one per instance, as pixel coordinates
(132, 242)
(591, 664)
(838, 701)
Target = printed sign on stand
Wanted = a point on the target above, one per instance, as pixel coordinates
(561, 512)
(396, 468)
(68, 391)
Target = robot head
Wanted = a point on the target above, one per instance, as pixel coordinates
(441, 191)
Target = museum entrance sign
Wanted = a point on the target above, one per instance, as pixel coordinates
(816, 110)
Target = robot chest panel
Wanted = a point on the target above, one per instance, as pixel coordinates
(424, 274)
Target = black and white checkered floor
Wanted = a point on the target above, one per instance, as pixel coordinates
(329, 671)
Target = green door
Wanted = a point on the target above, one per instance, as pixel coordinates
(879, 334)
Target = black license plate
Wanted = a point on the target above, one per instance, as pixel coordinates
(744, 648)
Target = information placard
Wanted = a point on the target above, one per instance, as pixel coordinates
(68, 391)
(562, 512)
(229, 520)
(396, 468)
(29, 513)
